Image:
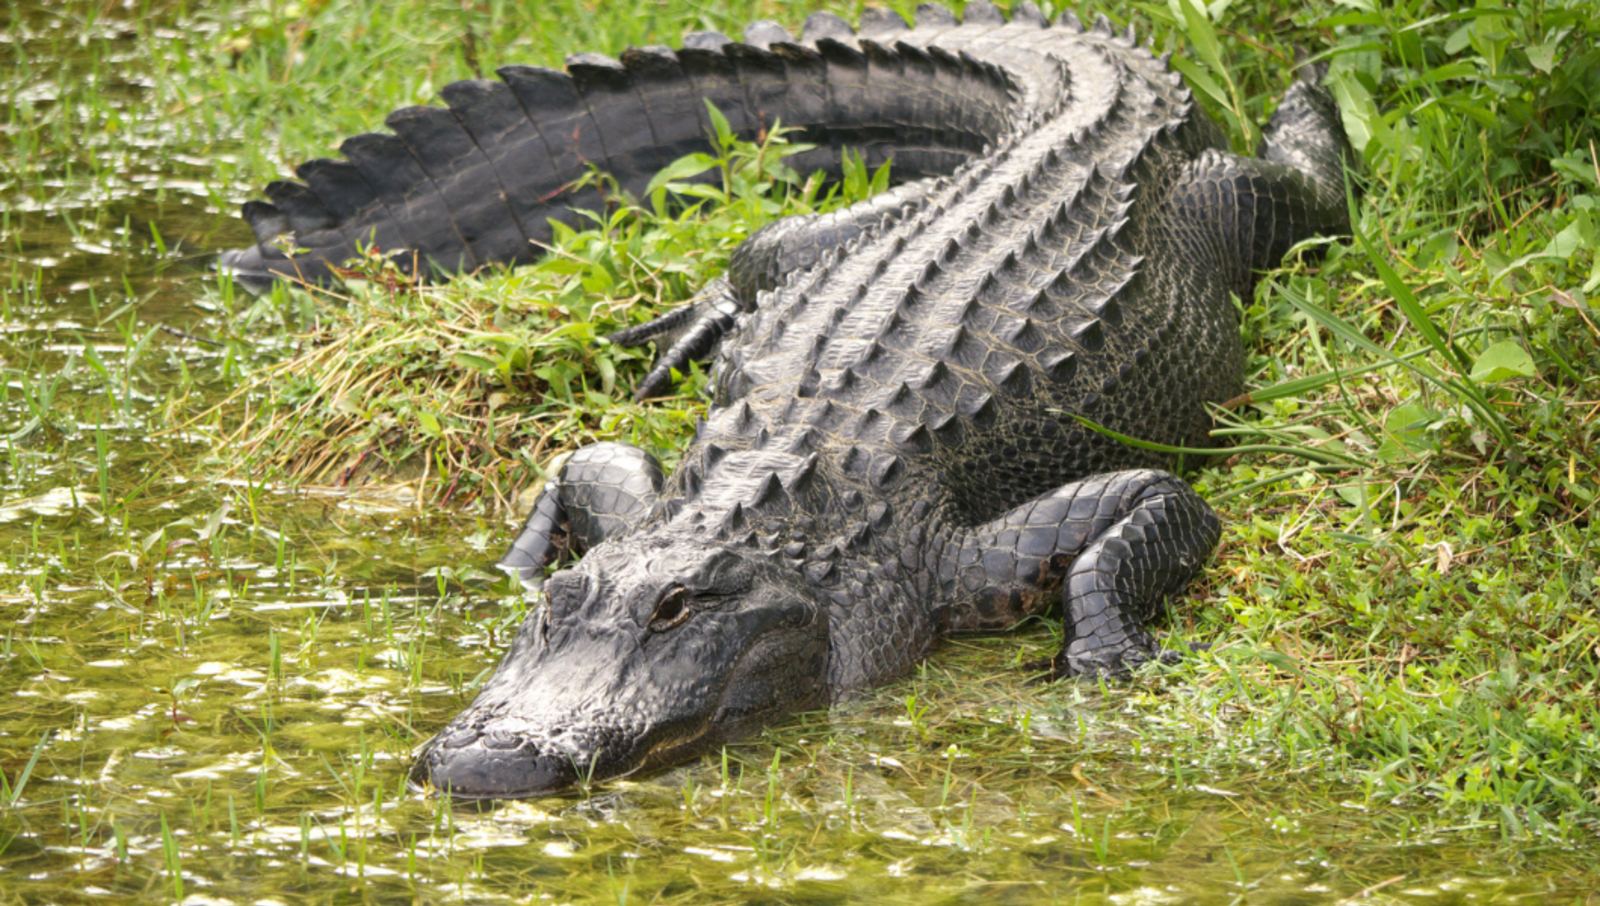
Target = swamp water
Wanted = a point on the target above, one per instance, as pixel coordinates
(212, 683)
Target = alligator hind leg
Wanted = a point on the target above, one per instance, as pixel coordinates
(1117, 545)
(601, 491)
(760, 263)
(1258, 208)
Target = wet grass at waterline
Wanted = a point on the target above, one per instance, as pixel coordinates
(215, 680)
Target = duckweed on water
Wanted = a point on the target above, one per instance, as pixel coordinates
(215, 677)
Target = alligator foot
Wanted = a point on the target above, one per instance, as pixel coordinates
(688, 334)
(1118, 663)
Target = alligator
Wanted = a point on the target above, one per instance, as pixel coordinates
(912, 397)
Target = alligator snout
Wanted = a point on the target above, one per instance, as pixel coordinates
(504, 762)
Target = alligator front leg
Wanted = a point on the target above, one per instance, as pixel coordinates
(760, 263)
(1116, 545)
(601, 491)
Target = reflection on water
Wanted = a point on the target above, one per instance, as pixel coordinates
(213, 685)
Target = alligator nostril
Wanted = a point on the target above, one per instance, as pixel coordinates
(500, 739)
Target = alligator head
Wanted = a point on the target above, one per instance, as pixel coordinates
(647, 652)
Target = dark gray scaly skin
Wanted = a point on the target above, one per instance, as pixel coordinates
(891, 455)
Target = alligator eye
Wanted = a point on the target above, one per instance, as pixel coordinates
(672, 609)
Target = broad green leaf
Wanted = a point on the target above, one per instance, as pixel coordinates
(1577, 235)
(1457, 70)
(1202, 34)
(1201, 81)
(1362, 120)
(1405, 433)
(473, 362)
(686, 167)
(1348, 537)
(719, 123)
(1357, 495)
(880, 178)
(1349, 19)
(1543, 56)
(430, 424)
(1503, 361)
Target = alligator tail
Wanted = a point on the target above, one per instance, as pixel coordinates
(479, 181)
